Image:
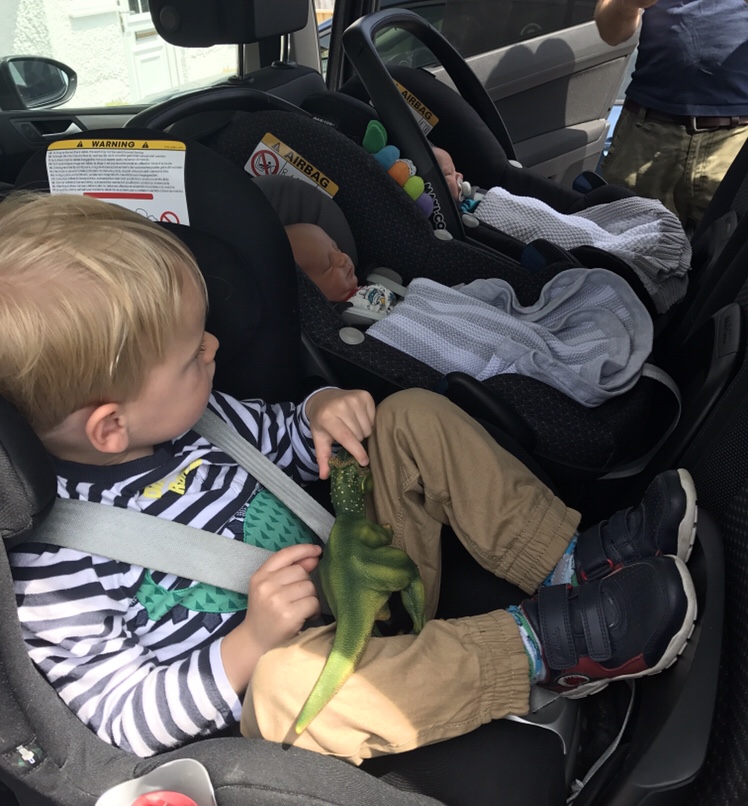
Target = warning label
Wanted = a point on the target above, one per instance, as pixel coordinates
(146, 176)
(425, 117)
(272, 156)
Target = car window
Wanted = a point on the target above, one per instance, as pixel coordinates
(472, 26)
(113, 47)
(479, 26)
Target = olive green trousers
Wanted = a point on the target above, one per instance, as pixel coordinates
(432, 465)
(663, 161)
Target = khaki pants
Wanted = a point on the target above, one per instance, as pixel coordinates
(432, 465)
(663, 161)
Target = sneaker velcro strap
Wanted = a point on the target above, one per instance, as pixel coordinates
(556, 637)
(596, 631)
(556, 633)
(591, 560)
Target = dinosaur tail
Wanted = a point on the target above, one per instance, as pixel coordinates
(337, 669)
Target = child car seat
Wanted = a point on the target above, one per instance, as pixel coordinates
(48, 757)
(249, 270)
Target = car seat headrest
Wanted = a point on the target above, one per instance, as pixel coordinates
(202, 23)
(28, 484)
(298, 202)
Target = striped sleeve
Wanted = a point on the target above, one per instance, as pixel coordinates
(280, 430)
(74, 611)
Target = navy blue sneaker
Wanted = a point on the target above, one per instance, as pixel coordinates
(663, 523)
(632, 623)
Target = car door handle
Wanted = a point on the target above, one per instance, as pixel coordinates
(37, 131)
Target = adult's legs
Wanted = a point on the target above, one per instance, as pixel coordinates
(664, 161)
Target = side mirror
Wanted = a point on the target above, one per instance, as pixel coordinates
(34, 82)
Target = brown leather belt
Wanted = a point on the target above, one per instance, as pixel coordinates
(693, 124)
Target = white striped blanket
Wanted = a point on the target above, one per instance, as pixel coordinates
(588, 334)
(642, 232)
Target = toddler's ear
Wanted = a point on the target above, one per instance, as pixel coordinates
(105, 429)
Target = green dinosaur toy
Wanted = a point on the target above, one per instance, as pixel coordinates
(358, 571)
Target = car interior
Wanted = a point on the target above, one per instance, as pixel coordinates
(674, 738)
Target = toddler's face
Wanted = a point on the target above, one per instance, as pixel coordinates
(176, 391)
(319, 257)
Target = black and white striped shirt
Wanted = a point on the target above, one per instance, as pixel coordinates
(136, 654)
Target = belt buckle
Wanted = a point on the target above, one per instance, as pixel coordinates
(692, 128)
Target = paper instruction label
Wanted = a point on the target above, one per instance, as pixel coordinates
(273, 157)
(146, 176)
(425, 117)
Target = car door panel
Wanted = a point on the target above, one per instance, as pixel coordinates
(543, 64)
(22, 133)
(554, 93)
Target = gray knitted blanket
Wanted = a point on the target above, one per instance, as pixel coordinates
(642, 232)
(588, 334)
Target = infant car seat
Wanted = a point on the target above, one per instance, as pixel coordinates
(470, 128)
(466, 123)
(390, 231)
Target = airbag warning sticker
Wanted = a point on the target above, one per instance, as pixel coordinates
(273, 157)
(146, 176)
(424, 116)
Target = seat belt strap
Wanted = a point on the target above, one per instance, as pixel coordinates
(637, 465)
(272, 478)
(151, 542)
(175, 548)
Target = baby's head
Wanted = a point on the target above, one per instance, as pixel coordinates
(451, 174)
(93, 300)
(319, 257)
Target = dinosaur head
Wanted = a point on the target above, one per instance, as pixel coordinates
(349, 484)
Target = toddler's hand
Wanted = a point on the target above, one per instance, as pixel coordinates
(342, 416)
(282, 596)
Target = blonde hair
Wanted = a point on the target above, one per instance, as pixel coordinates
(90, 296)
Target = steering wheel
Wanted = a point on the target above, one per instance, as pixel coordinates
(223, 98)
(359, 47)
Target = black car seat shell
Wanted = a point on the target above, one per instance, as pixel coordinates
(472, 129)
(47, 756)
(390, 231)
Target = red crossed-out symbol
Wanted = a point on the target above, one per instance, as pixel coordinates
(169, 216)
(265, 162)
